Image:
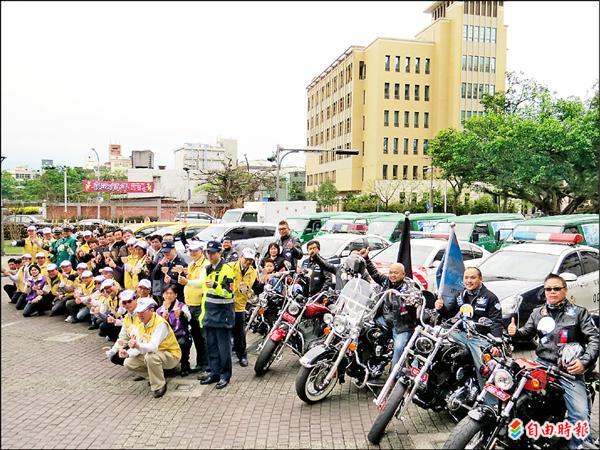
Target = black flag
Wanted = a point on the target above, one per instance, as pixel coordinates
(404, 251)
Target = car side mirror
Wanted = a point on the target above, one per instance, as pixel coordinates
(435, 264)
(568, 276)
(345, 253)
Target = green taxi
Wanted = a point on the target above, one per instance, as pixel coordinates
(390, 226)
(306, 226)
(583, 224)
(341, 222)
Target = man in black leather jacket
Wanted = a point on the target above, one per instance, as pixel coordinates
(290, 246)
(318, 267)
(572, 324)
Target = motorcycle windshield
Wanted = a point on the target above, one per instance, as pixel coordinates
(355, 297)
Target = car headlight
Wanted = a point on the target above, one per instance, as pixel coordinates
(294, 308)
(503, 379)
(327, 318)
(339, 324)
(510, 305)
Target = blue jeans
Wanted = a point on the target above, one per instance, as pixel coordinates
(400, 341)
(578, 405)
(474, 345)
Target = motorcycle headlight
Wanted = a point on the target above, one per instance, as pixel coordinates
(503, 379)
(327, 318)
(339, 324)
(333, 308)
(424, 345)
(354, 332)
(294, 308)
(510, 305)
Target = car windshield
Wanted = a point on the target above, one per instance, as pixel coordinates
(207, 233)
(419, 252)
(462, 230)
(335, 224)
(383, 229)
(231, 216)
(330, 246)
(297, 225)
(519, 229)
(527, 266)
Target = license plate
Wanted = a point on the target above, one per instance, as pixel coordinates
(414, 371)
(497, 392)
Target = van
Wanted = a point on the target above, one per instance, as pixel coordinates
(306, 226)
(583, 224)
(390, 226)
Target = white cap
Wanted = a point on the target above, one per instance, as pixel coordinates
(66, 262)
(87, 233)
(26, 255)
(46, 230)
(51, 267)
(31, 228)
(195, 245)
(40, 255)
(131, 241)
(87, 274)
(141, 244)
(248, 253)
(82, 266)
(145, 283)
(128, 229)
(99, 279)
(107, 283)
(106, 269)
(127, 294)
(144, 303)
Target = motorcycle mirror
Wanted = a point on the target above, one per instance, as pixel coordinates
(546, 325)
(466, 311)
(429, 299)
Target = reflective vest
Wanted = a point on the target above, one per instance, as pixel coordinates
(217, 302)
(132, 275)
(193, 295)
(248, 278)
(169, 344)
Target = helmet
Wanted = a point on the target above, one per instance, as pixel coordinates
(569, 353)
(354, 264)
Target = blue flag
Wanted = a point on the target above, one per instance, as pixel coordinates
(450, 272)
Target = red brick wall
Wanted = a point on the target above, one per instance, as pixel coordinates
(168, 211)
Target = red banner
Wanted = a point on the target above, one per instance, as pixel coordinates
(118, 186)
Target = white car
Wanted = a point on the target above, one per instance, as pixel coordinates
(516, 275)
(335, 248)
(426, 255)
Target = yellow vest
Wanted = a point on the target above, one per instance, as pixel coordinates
(48, 242)
(44, 270)
(241, 298)
(53, 283)
(131, 275)
(193, 295)
(32, 247)
(131, 325)
(89, 288)
(169, 344)
(21, 287)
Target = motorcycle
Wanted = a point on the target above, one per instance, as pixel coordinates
(523, 391)
(355, 345)
(299, 326)
(435, 371)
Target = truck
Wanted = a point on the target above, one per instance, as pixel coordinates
(271, 212)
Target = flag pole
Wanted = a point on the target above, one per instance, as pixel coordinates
(444, 267)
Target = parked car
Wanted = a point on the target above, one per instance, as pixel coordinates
(336, 247)
(95, 223)
(390, 226)
(426, 255)
(584, 224)
(27, 220)
(195, 217)
(147, 228)
(486, 230)
(340, 223)
(306, 226)
(516, 274)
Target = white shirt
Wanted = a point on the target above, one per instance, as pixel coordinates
(158, 335)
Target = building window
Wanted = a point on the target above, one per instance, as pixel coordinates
(395, 147)
(415, 146)
(427, 64)
(462, 116)
(397, 91)
(362, 176)
(405, 119)
(417, 87)
(397, 63)
(469, 114)
(348, 101)
(492, 89)
(493, 35)
(416, 121)
(385, 171)
(426, 93)
(464, 62)
(363, 123)
(426, 120)
(463, 90)
(487, 88)
(475, 90)
(476, 62)
(415, 176)
(385, 146)
(465, 27)
(476, 33)
(487, 64)
(407, 92)
(396, 118)
(362, 70)
(487, 34)
(469, 90)
(363, 148)
(348, 125)
(470, 62)
(480, 91)
(425, 146)
(386, 90)
(481, 63)
(406, 146)
(407, 67)
(387, 62)
(394, 171)
(404, 176)
(493, 65)
(417, 65)
(470, 37)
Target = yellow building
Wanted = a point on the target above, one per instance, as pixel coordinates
(390, 98)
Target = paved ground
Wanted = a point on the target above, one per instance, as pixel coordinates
(59, 391)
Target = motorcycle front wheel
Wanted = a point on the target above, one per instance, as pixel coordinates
(309, 382)
(384, 417)
(469, 434)
(266, 357)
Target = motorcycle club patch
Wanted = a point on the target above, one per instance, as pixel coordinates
(498, 306)
(481, 301)
(571, 311)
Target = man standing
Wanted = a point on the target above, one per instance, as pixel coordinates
(318, 267)
(32, 243)
(163, 273)
(290, 245)
(229, 254)
(219, 316)
(244, 277)
(572, 324)
(153, 348)
(64, 249)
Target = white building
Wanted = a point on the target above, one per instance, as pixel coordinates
(197, 156)
(23, 173)
(167, 183)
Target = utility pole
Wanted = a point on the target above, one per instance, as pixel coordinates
(1, 224)
(98, 178)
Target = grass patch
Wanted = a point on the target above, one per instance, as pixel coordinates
(10, 250)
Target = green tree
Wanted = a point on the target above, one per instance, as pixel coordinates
(9, 186)
(296, 192)
(327, 194)
(484, 204)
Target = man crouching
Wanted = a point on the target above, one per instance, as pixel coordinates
(153, 348)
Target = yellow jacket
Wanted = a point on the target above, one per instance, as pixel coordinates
(135, 267)
(169, 344)
(193, 295)
(240, 297)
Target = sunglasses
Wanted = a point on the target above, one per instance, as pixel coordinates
(125, 302)
(555, 289)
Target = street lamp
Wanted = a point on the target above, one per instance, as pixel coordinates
(189, 193)
(99, 198)
(282, 152)
(430, 169)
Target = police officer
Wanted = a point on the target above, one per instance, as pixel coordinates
(290, 245)
(229, 254)
(485, 304)
(218, 314)
(572, 324)
(318, 267)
